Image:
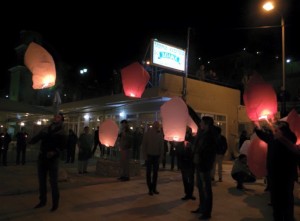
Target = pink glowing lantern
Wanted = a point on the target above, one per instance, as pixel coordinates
(192, 125)
(41, 65)
(260, 99)
(174, 115)
(257, 157)
(108, 132)
(134, 80)
(294, 121)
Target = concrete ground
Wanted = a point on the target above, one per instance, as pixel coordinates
(90, 197)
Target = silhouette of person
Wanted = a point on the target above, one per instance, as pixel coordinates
(53, 140)
(21, 146)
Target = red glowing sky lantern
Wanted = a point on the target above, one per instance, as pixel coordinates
(174, 115)
(108, 132)
(260, 99)
(41, 65)
(257, 157)
(134, 80)
(294, 121)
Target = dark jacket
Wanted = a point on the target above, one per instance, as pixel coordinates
(281, 163)
(221, 145)
(205, 150)
(5, 139)
(53, 139)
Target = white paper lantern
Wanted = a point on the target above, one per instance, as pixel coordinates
(108, 132)
(174, 115)
(41, 65)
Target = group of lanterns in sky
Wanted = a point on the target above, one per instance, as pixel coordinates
(259, 97)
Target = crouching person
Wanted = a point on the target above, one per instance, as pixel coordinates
(241, 172)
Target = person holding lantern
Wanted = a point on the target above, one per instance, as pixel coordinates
(204, 157)
(53, 140)
(281, 167)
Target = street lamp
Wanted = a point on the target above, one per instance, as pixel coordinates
(83, 71)
(269, 6)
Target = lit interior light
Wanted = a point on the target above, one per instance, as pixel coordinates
(86, 116)
(122, 114)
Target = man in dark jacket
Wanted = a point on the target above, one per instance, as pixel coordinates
(204, 157)
(281, 168)
(53, 140)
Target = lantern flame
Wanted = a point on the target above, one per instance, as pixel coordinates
(175, 138)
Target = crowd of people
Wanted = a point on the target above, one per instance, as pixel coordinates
(199, 158)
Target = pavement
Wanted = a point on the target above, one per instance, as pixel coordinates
(91, 197)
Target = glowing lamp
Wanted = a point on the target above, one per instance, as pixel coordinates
(174, 115)
(134, 80)
(257, 157)
(294, 121)
(108, 132)
(192, 125)
(260, 99)
(41, 65)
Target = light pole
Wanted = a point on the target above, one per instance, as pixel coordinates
(269, 6)
(185, 76)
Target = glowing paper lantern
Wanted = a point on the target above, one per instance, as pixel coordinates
(192, 125)
(257, 157)
(174, 115)
(134, 80)
(108, 132)
(294, 121)
(260, 99)
(41, 65)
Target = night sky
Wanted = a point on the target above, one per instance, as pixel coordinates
(106, 38)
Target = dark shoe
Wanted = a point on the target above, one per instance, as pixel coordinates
(198, 210)
(185, 198)
(220, 180)
(150, 193)
(192, 198)
(39, 205)
(85, 172)
(55, 207)
(240, 187)
(204, 217)
(125, 179)
(155, 192)
(121, 178)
